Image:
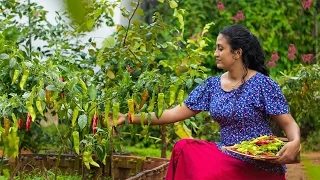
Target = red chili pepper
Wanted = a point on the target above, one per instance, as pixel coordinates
(135, 106)
(62, 95)
(29, 118)
(249, 153)
(130, 117)
(28, 123)
(20, 123)
(94, 124)
(272, 137)
(267, 154)
(61, 79)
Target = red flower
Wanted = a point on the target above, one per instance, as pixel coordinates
(306, 58)
(235, 19)
(307, 4)
(292, 49)
(220, 6)
(272, 63)
(240, 15)
(291, 56)
(275, 56)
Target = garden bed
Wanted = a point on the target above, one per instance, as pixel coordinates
(124, 167)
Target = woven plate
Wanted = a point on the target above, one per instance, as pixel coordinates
(257, 157)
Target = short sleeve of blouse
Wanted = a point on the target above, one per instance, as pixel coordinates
(199, 98)
(272, 99)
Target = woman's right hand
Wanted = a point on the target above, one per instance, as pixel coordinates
(121, 119)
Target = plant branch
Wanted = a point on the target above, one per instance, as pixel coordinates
(130, 19)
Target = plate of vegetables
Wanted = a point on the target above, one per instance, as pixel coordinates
(261, 148)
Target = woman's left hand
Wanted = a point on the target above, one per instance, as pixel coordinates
(288, 153)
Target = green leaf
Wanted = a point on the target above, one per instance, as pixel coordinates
(108, 42)
(13, 62)
(199, 81)
(51, 88)
(140, 12)
(90, 24)
(82, 121)
(173, 4)
(189, 83)
(92, 92)
(4, 56)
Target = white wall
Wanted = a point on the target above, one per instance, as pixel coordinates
(98, 34)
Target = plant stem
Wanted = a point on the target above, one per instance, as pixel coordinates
(130, 19)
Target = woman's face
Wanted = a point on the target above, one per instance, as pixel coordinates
(224, 57)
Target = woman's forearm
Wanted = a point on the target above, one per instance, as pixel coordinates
(169, 116)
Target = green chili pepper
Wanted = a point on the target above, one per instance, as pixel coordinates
(24, 79)
(160, 104)
(15, 121)
(172, 91)
(106, 113)
(180, 96)
(151, 103)
(75, 115)
(115, 108)
(6, 125)
(31, 110)
(39, 107)
(15, 76)
(85, 158)
(131, 108)
(76, 141)
(83, 86)
(142, 117)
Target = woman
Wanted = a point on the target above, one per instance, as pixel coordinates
(241, 100)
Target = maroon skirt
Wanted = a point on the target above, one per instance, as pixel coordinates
(202, 160)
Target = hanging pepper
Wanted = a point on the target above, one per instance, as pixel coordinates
(142, 117)
(24, 79)
(61, 79)
(20, 122)
(160, 104)
(62, 94)
(144, 98)
(131, 109)
(6, 125)
(83, 86)
(75, 115)
(94, 124)
(15, 121)
(87, 159)
(28, 123)
(151, 103)
(115, 111)
(31, 110)
(76, 141)
(180, 96)
(106, 113)
(172, 91)
(48, 93)
(15, 76)
(29, 117)
(39, 107)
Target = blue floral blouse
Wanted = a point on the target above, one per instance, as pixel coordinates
(247, 117)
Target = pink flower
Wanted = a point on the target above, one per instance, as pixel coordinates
(275, 56)
(235, 19)
(272, 63)
(193, 38)
(306, 58)
(240, 15)
(292, 49)
(307, 4)
(220, 6)
(291, 56)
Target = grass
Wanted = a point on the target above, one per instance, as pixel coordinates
(143, 152)
(312, 170)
